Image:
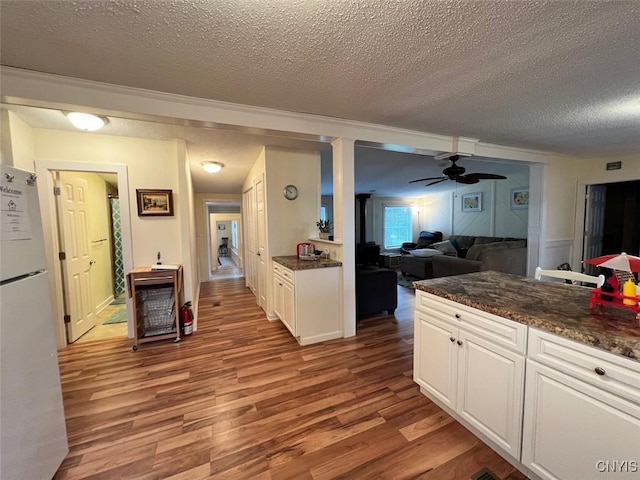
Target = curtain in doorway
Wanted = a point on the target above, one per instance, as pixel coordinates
(116, 229)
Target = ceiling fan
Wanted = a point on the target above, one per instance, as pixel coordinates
(456, 173)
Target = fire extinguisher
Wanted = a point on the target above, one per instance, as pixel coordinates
(186, 319)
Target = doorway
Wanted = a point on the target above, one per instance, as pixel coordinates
(89, 231)
(224, 240)
(117, 174)
(612, 223)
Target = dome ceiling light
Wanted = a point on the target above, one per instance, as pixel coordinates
(86, 121)
(212, 167)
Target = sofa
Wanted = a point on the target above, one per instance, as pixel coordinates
(508, 256)
(465, 254)
(376, 290)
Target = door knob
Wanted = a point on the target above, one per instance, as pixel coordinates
(91, 262)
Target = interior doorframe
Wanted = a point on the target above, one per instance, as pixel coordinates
(207, 226)
(44, 170)
(581, 211)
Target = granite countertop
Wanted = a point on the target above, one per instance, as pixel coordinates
(292, 262)
(554, 307)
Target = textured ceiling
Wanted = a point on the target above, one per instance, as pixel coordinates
(546, 75)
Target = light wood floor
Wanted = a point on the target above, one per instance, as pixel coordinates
(102, 332)
(242, 400)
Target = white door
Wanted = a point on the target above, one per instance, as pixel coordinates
(436, 358)
(74, 242)
(248, 213)
(262, 242)
(594, 223)
(490, 390)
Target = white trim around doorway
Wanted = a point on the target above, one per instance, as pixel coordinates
(44, 169)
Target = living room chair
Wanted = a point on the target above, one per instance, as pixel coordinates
(575, 278)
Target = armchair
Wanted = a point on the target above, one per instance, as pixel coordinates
(425, 238)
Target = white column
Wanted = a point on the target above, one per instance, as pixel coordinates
(344, 226)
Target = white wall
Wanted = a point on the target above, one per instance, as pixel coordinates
(291, 221)
(146, 164)
(150, 163)
(17, 142)
(443, 211)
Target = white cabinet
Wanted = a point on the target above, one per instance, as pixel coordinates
(284, 297)
(308, 302)
(472, 364)
(582, 411)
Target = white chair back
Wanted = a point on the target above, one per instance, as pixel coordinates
(574, 277)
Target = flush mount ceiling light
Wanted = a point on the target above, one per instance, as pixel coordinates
(86, 121)
(212, 167)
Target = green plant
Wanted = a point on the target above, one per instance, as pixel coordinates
(324, 225)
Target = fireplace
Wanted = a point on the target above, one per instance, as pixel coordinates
(367, 253)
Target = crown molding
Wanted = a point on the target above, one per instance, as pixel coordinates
(26, 87)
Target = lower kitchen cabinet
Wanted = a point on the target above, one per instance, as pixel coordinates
(463, 362)
(582, 412)
(284, 297)
(308, 302)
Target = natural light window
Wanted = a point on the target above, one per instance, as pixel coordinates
(234, 234)
(397, 226)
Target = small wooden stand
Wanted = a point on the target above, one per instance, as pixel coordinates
(156, 303)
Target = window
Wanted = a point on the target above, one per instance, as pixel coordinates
(397, 226)
(234, 234)
(323, 212)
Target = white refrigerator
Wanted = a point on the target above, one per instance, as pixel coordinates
(33, 436)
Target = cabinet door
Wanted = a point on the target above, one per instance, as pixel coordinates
(574, 431)
(490, 390)
(289, 308)
(436, 357)
(277, 296)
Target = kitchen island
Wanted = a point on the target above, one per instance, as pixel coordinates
(550, 306)
(526, 365)
(307, 297)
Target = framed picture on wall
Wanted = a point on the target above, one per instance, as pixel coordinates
(221, 226)
(519, 198)
(471, 202)
(155, 203)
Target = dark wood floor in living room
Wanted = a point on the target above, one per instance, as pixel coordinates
(241, 399)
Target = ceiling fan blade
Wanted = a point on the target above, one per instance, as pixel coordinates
(485, 176)
(437, 181)
(427, 179)
(466, 179)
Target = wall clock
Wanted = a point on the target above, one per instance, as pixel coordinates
(290, 192)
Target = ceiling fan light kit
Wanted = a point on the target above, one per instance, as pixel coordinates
(456, 172)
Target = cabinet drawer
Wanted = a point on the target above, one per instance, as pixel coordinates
(504, 332)
(284, 272)
(605, 370)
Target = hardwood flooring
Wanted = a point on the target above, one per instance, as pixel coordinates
(240, 399)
